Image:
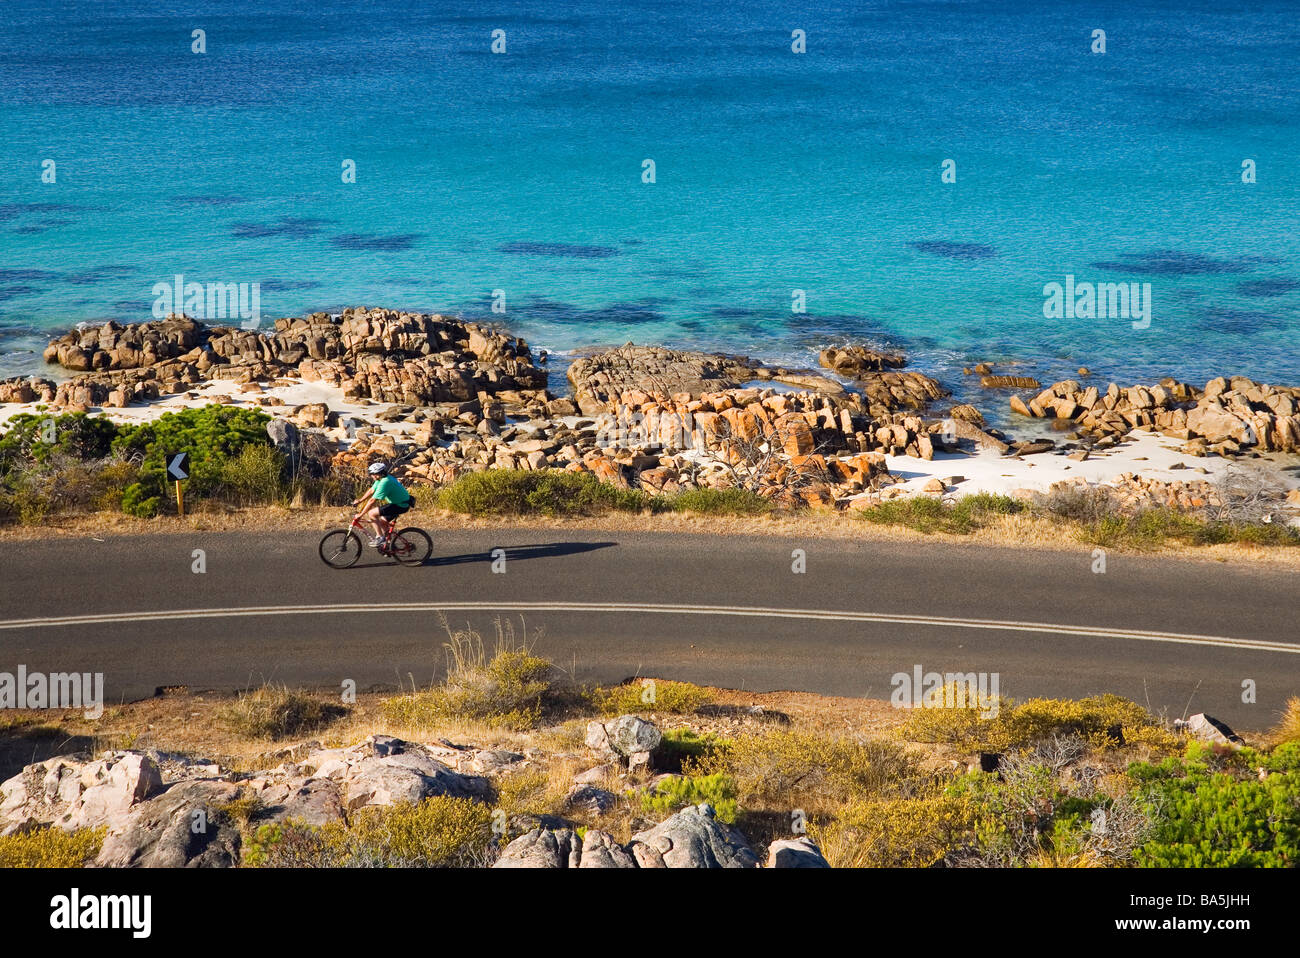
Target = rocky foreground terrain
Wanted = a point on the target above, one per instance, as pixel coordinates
(459, 397)
(148, 802)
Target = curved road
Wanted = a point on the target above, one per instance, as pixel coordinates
(725, 611)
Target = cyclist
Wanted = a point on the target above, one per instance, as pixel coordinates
(387, 499)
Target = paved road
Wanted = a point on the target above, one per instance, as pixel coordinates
(723, 611)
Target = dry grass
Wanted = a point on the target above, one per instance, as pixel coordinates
(1018, 532)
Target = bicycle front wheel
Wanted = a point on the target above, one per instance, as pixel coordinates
(340, 548)
(411, 546)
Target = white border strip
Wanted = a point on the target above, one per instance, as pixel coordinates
(820, 615)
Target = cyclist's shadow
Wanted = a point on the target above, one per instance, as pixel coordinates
(539, 550)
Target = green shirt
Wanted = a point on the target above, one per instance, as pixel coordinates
(389, 490)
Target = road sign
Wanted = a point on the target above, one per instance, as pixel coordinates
(176, 466)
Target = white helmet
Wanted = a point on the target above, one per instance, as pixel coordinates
(376, 468)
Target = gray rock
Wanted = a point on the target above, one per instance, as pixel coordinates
(72, 792)
(795, 853)
(599, 850)
(693, 838)
(311, 801)
(284, 435)
(179, 829)
(385, 771)
(595, 800)
(542, 848)
(629, 738)
(1209, 729)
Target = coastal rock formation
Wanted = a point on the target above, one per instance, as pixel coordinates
(162, 832)
(384, 770)
(885, 390)
(629, 738)
(1229, 415)
(604, 381)
(380, 354)
(70, 792)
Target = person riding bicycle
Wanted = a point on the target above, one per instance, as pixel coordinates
(387, 498)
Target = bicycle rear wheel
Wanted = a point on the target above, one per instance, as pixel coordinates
(410, 546)
(340, 548)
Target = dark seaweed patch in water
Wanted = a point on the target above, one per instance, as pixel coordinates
(27, 276)
(287, 285)
(1267, 288)
(1226, 319)
(15, 292)
(290, 227)
(9, 211)
(950, 249)
(630, 314)
(98, 274)
(738, 312)
(30, 230)
(1173, 263)
(566, 250)
(209, 200)
(374, 241)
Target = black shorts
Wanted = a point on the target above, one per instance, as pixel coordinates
(391, 511)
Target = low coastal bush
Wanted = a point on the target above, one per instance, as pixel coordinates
(1103, 721)
(929, 514)
(655, 695)
(51, 848)
(1214, 809)
(683, 746)
(790, 769)
(72, 462)
(276, 712)
(547, 492)
(673, 794)
(510, 688)
(721, 502)
(896, 833)
(439, 832)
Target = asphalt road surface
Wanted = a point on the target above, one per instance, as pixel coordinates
(727, 611)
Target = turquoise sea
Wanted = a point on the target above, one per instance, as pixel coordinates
(775, 171)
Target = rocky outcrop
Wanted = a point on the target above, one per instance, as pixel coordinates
(384, 770)
(1229, 415)
(182, 828)
(885, 391)
(693, 838)
(795, 853)
(380, 354)
(603, 381)
(70, 792)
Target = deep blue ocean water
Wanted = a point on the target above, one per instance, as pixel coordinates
(775, 171)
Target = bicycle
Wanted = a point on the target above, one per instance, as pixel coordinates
(341, 548)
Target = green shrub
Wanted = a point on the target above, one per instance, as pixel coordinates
(790, 769)
(51, 848)
(439, 832)
(675, 793)
(548, 492)
(1101, 720)
(1212, 819)
(681, 746)
(76, 435)
(721, 502)
(654, 695)
(275, 712)
(508, 690)
(928, 514)
(211, 435)
(254, 476)
(895, 833)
